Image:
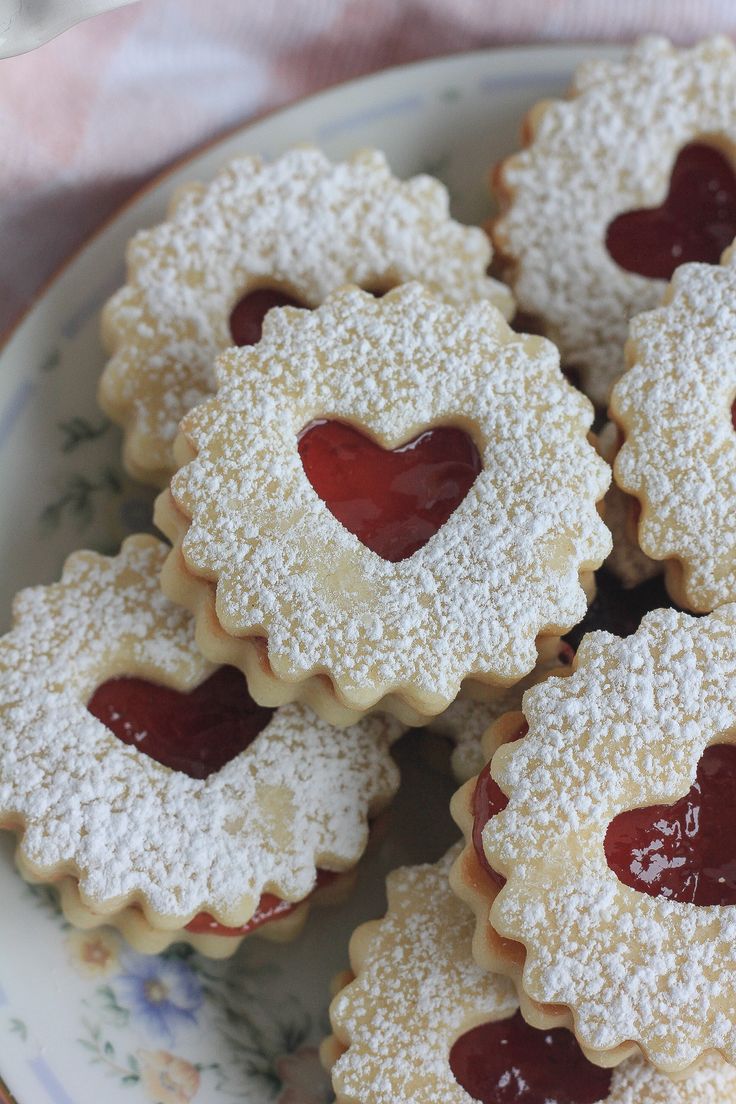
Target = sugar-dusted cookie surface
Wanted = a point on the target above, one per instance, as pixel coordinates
(467, 719)
(128, 828)
(259, 554)
(623, 921)
(627, 561)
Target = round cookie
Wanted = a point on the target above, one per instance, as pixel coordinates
(132, 768)
(292, 230)
(286, 591)
(599, 852)
(627, 178)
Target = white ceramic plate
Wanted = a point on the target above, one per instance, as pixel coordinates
(78, 1022)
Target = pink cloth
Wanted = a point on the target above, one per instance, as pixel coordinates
(88, 117)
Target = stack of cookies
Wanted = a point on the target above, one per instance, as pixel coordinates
(385, 507)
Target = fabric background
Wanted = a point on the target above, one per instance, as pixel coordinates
(91, 115)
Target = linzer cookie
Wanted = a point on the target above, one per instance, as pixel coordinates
(674, 407)
(262, 235)
(419, 1022)
(148, 785)
(385, 499)
(600, 844)
(628, 178)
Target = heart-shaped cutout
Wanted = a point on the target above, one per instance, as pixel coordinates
(195, 733)
(686, 851)
(246, 317)
(509, 1062)
(696, 222)
(392, 500)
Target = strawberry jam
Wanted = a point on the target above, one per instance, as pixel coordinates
(696, 222)
(195, 733)
(508, 1062)
(685, 851)
(392, 500)
(246, 317)
(489, 799)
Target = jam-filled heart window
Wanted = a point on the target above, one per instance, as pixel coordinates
(685, 851)
(509, 1062)
(696, 221)
(392, 500)
(196, 733)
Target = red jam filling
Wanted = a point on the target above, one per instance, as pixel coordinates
(686, 851)
(489, 799)
(195, 733)
(246, 317)
(392, 500)
(269, 908)
(508, 1062)
(695, 223)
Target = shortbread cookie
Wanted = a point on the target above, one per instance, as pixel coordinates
(675, 409)
(377, 573)
(218, 807)
(629, 177)
(612, 823)
(391, 576)
(627, 561)
(420, 1023)
(261, 235)
(465, 722)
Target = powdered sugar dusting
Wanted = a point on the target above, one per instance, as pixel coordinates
(608, 149)
(298, 797)
(300, 223)
(627, 729)
(417, 990)
(674, 406)
(503, 569)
